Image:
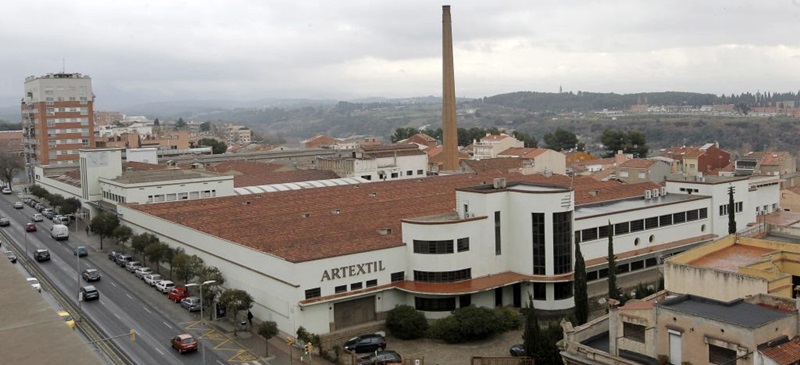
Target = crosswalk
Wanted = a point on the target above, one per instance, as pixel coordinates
(222, 344)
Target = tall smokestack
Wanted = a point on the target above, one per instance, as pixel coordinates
(449, 129)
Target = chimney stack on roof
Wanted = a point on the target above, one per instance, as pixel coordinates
(449, 129)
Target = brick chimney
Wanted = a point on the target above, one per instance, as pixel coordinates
(449, 129)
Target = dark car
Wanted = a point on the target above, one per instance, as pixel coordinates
(80, 251)
(4, 222)
(366, 343)
(89, 292)
(41, 255)
(381, 358)
(30, 227)
(517, 350)
(184, 343)
(113, 255)
(91, 275)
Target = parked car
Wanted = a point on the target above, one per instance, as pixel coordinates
(184, 343)
(56, 218)
(39, 207)
(63, 220)
(7, 190)
(37, 217)
(30, 227)
(11, 256)
(123, 260)
(366, 343)
(165, 286)
(41, 255)
(35, 284)
(131, 266)
(18, 205)
(113, 255)
(192, 304)
(178, 293)
(89, 292)
(381, 358)
(152, 279)
(91, 275)
(141, 271)
(67, 318)
(4, 222)
(517, 350)
(80, 251)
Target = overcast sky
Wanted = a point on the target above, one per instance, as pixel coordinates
(344, 49)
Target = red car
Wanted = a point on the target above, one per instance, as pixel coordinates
(30, 227)
(184, 343)
(177, 294)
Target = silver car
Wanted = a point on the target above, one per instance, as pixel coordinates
(192, 304)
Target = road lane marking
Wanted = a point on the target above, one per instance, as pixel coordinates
(166, 324)
(159, 351)
(148, 311)
(129, 296)
(118, 317)
(112, 283)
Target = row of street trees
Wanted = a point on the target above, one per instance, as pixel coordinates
(64, 206)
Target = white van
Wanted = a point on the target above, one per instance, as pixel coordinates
(59, 232)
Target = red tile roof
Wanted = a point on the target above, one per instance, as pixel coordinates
(494, 137)
(248, 173)
(312, 224)
(523, 152)
(784, 354)
(638, 163)
(494, 164)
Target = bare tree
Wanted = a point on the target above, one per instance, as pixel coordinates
(10, 162)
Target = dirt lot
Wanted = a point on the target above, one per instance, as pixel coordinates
(439, 353)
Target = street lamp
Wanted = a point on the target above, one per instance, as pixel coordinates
(202, 304)
(78, 277)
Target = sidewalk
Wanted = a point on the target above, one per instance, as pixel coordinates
(248, 340)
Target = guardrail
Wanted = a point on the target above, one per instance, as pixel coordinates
(95, 335)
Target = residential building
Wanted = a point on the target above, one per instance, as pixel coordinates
(57, 117)
(491, 145)
(776, 163)
(107, 118)
(538, 160)
(639, 169)
(699, 160)
(238, 134)
(11, 141)
(790, 199)
(422, 140)
(379, 163)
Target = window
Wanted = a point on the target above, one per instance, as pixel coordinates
(539, 256)
(463, 244)
(433, 247)
(589, 234)
(563, 290)
(394, 175)
(371, 283)
(562, 242)
(651, 223)
(720, 355)
(692, 215)
(665, 220)
(497, 247)
(621, 228)
(340, 289)
(642, 175)
(634, 332)
(313, 293)
(356, 286)
(420, 172)
(464, 301)
(637, 225)
(740, 207)
(435, 304)
(703, 213)
(723, 210)
(679, 217)
(623, 173)
(603, 231)
(637, 265)
(539, 291)
(651, 262)
(442, 276)
(398, 276)
(409, 172)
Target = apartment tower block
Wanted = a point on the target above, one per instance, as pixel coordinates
(57, 118)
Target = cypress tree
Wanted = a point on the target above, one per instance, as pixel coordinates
(581, 289)
(533, 334)
(612, 265)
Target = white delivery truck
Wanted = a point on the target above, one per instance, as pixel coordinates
(59, 232)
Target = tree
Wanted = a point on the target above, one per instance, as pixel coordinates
(140, 242)
(168, 256)
(528, 140)
(217, 147)
(153, 253)
(205, 126)
(533, 333)
(403, 133)
(180, 124)
(156, 123)
(560, 140)
(208, 273)
(121, 235)
(187, 267)
(104, 224)
(613, 292)
(633, 142)
(731, 212)
(581, 287)
(235, 300)
(10, 162)
(268, 330)
(70, 206)
(742, 108)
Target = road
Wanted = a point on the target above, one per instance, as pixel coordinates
(125, 301)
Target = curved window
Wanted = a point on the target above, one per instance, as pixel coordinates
(433, 247)
(435, 304)
(442, 276)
